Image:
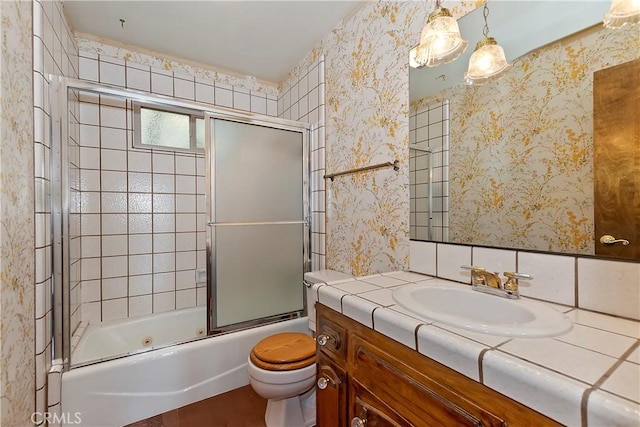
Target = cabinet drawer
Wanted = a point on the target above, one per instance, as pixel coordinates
(383, 376)
(331, 339)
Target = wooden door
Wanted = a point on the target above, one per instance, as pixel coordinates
(616, 155)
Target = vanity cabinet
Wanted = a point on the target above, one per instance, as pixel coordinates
(371, 380)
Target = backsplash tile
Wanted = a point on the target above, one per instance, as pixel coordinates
(450, 258)
(422, 257)
(554, 278)
(497, 260)
(609, 287)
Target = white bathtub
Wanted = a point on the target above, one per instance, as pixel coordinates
(122, 391)
(124, 336)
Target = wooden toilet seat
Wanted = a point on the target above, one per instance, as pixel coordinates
(284, 352)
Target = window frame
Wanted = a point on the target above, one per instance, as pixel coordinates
(137, 127)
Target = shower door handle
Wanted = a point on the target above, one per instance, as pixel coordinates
(230, 224)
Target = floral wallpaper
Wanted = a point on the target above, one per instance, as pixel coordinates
(521, 148)
(367, 122)
(17, 366)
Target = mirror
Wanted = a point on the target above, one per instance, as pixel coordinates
(510, 164)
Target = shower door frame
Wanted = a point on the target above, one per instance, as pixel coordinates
(60, 194)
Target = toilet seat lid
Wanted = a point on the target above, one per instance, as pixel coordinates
(286, 347)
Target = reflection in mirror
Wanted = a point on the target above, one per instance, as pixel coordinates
(520, 164)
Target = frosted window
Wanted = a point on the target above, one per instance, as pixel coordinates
(157, 126)
(200, 133)
(164, 128)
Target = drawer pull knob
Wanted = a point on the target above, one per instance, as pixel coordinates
(358, 422)
(323, 382)
(324, 339)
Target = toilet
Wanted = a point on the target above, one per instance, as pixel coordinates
(282, 367)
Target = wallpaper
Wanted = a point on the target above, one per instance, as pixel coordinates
(367, 123)
(17, 365)
(521, 148)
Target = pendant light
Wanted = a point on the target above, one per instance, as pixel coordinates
(440, 42)
(622, 12)
(487, 63)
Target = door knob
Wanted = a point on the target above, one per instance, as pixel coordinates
(608, 239)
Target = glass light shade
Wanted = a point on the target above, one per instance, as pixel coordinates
(487, 63)
(412, 58)
(440, 42)
(622, 12)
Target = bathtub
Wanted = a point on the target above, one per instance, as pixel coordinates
(125, 336)
(132, 388)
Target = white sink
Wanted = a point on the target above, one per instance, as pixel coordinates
(465, 308)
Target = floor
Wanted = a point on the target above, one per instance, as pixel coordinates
(237, 408)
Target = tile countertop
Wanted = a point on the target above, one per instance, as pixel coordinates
(589, 376)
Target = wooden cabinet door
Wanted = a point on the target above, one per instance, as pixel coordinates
(616, 157)
(367, 410)
(420, 400)
(331, 394)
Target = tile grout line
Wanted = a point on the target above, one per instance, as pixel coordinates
(596, 385)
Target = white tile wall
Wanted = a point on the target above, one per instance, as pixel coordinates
(429, 129)
(54, 52)
(149, 205)
(302, 98)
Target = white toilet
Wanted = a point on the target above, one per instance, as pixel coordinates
(282, 369)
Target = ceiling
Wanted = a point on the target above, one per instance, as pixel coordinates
(261, 38)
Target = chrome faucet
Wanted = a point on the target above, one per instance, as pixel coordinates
(486, 281)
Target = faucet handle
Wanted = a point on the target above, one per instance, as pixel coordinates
(514, 275)
(512, 280)
(472, 267)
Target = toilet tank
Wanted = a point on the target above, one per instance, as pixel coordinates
(312, 280)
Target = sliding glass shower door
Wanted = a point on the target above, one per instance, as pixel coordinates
(257, 234)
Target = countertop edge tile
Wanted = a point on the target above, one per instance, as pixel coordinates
(552, 394)
(359, 309)
(459, 354)
(331, 297)
(606, 409)
(396, 326)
